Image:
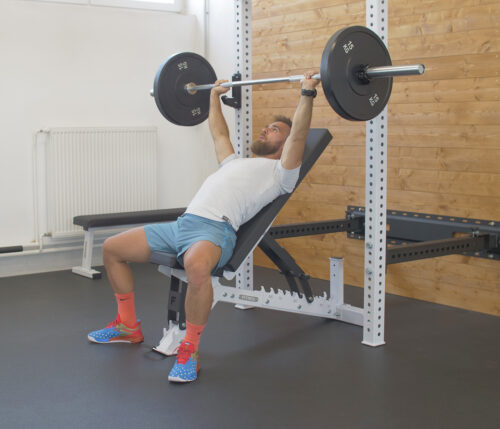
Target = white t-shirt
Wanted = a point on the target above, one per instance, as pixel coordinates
(240, 188)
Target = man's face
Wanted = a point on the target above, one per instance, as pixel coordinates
(271, 139)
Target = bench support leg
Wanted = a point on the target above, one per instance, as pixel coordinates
(337, 281)
(176, 330)
(172, 339)
(244, 279)
(85, 269)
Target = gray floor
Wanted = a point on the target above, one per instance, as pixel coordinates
(440, 367)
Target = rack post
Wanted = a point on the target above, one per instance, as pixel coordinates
(376, 201)
(243, 119)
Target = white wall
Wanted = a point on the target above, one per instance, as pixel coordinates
(216, 18)
(73, 65)
(78, 65)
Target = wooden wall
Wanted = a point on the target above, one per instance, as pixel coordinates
(444, 133)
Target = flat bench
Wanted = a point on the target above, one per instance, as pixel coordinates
(92, 223)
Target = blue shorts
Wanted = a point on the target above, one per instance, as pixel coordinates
(177, 237)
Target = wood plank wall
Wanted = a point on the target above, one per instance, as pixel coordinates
(444, 133)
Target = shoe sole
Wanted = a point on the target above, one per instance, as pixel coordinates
(180, 380)
(112, 342)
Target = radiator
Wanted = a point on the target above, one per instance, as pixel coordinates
(91, 171)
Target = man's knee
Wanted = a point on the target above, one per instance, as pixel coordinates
(198, 269)
(110, 249)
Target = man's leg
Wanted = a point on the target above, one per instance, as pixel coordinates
(117, 251)
(199, 261)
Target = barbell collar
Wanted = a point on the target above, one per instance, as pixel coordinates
(369, 73)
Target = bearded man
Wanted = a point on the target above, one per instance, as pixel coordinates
(203, 238)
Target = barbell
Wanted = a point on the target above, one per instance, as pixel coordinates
(356, 75)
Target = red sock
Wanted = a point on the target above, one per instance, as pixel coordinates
(193, 334)
(126, 308)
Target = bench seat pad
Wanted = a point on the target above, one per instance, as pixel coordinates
(164, 258)
(128, 218)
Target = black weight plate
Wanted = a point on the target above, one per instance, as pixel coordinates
(173, 101)
(347, 52)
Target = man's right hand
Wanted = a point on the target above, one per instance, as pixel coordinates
(219, 90)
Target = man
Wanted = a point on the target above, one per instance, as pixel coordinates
(204, 237)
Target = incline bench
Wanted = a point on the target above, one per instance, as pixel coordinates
(91, 223)
(254, 232)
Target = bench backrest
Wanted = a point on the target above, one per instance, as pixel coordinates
(250, 233)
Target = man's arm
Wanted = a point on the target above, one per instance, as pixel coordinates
(293, 151)
(218, 125)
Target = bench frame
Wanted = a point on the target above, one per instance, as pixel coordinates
(332, 307)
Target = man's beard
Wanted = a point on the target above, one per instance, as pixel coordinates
(263, 148)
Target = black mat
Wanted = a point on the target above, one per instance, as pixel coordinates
(439, 369)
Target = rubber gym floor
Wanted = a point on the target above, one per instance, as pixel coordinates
(440, 367)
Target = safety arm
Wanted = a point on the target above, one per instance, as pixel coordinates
(219, 129)
(293, 150)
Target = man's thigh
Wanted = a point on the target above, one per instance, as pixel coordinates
(130, 246)
(162, 237)
(202, 253)
(219, 239)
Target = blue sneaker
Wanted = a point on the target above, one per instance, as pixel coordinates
(186, 366)
(117, 332)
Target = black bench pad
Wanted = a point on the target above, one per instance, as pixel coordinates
(164, 258)
(252, 231)
(128, 218)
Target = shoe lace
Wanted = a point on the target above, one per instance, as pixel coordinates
(115, 322)
(184, 353)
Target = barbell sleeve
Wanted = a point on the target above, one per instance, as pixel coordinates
(370, 73)
(391, 71)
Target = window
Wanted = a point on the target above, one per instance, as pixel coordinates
(164, 5)
(66, 1)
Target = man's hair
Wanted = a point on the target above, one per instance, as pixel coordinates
(284, 119)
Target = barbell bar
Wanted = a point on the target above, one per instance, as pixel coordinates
(368, 73)
(356, 74)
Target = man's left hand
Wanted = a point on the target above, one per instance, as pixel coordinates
(308, 82)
